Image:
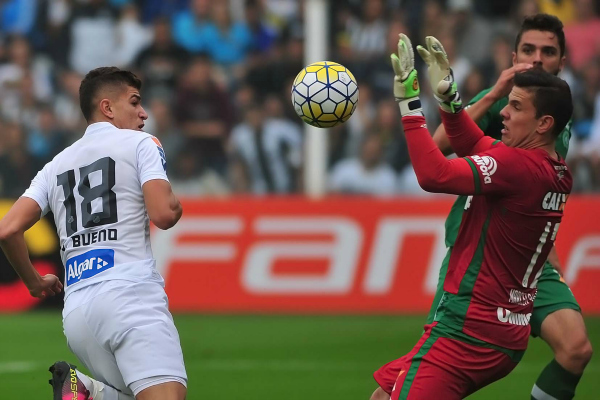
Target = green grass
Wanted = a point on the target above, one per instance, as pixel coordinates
(268, 357)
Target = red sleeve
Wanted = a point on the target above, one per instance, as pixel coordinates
(465, 136)
(434, 172)
(500, 170)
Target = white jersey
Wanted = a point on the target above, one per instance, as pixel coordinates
(94, 189)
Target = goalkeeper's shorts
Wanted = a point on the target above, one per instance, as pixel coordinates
(442, 368)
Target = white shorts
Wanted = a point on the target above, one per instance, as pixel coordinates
(124, 333)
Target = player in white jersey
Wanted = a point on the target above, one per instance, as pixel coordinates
(103, 190)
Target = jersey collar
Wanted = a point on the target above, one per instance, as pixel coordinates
(98, 127)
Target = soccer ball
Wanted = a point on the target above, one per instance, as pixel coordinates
(324, 94)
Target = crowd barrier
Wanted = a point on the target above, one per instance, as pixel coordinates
(295, 255)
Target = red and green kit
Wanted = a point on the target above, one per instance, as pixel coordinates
(511, 219)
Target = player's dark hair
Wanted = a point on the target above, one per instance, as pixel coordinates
(546, 23)
(99, 78)
(551, 96)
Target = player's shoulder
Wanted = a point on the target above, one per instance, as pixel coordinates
(133, 139)
(510, 158)
(64, 156)
(135, 135)
(501, 150)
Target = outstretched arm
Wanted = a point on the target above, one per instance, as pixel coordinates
(434, 172)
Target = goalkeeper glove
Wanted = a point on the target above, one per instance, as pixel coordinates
(440, 74)
(406, 85)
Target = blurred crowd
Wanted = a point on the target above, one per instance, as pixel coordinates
(217, 77)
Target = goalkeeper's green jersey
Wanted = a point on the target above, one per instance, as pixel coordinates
(491, 125)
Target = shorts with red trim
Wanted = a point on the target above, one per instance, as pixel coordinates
(442, 368)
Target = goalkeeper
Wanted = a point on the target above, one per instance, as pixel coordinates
(481, 325)
(556, 314)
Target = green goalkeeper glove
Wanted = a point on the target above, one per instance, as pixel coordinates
(441, 77)
(406, 85)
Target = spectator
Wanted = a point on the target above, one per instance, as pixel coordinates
(563, 9)
(154, 9)
(189, 177)
(132, 36)
(461, 66)
(367, 36)
(500, 60)
(434, 21)
(51, 32)
(368, 174)
(244, 97)
(17, 167)
(66, 106)
(584, 155)
(161, 63)
(519, 10)
(189, 26)
(583, 35)
(387, 126)
(473, 33)
(93, 36)
(282, 12)
(267, 153)
(162, 124)
(271, 74)
(18, 16)
(263, 36)
(362, 119)
(228, 41)
(204, 112)
(28, 106)
(21, 64)
(46, 139)
(584, 97)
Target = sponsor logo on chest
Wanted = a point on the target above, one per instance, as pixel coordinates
(487, 165)
(512, 318)
(554, 201)
(88, 264)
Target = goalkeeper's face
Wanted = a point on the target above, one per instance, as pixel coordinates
(521, 127)
(540, 49)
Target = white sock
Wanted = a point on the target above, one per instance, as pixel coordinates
(101, 391)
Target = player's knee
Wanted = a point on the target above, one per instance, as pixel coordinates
(577, 350)
(379, 394)
(581, 351)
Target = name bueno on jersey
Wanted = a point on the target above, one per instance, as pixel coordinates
(503, 242)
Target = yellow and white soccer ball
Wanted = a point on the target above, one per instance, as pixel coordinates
(324, 94)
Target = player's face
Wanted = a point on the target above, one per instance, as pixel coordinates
(128, 110)
(519, 119)
(540, 49)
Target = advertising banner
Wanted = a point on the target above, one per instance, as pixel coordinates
(294, 255)
(339, 255)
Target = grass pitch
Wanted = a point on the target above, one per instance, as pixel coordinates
(268, 357)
